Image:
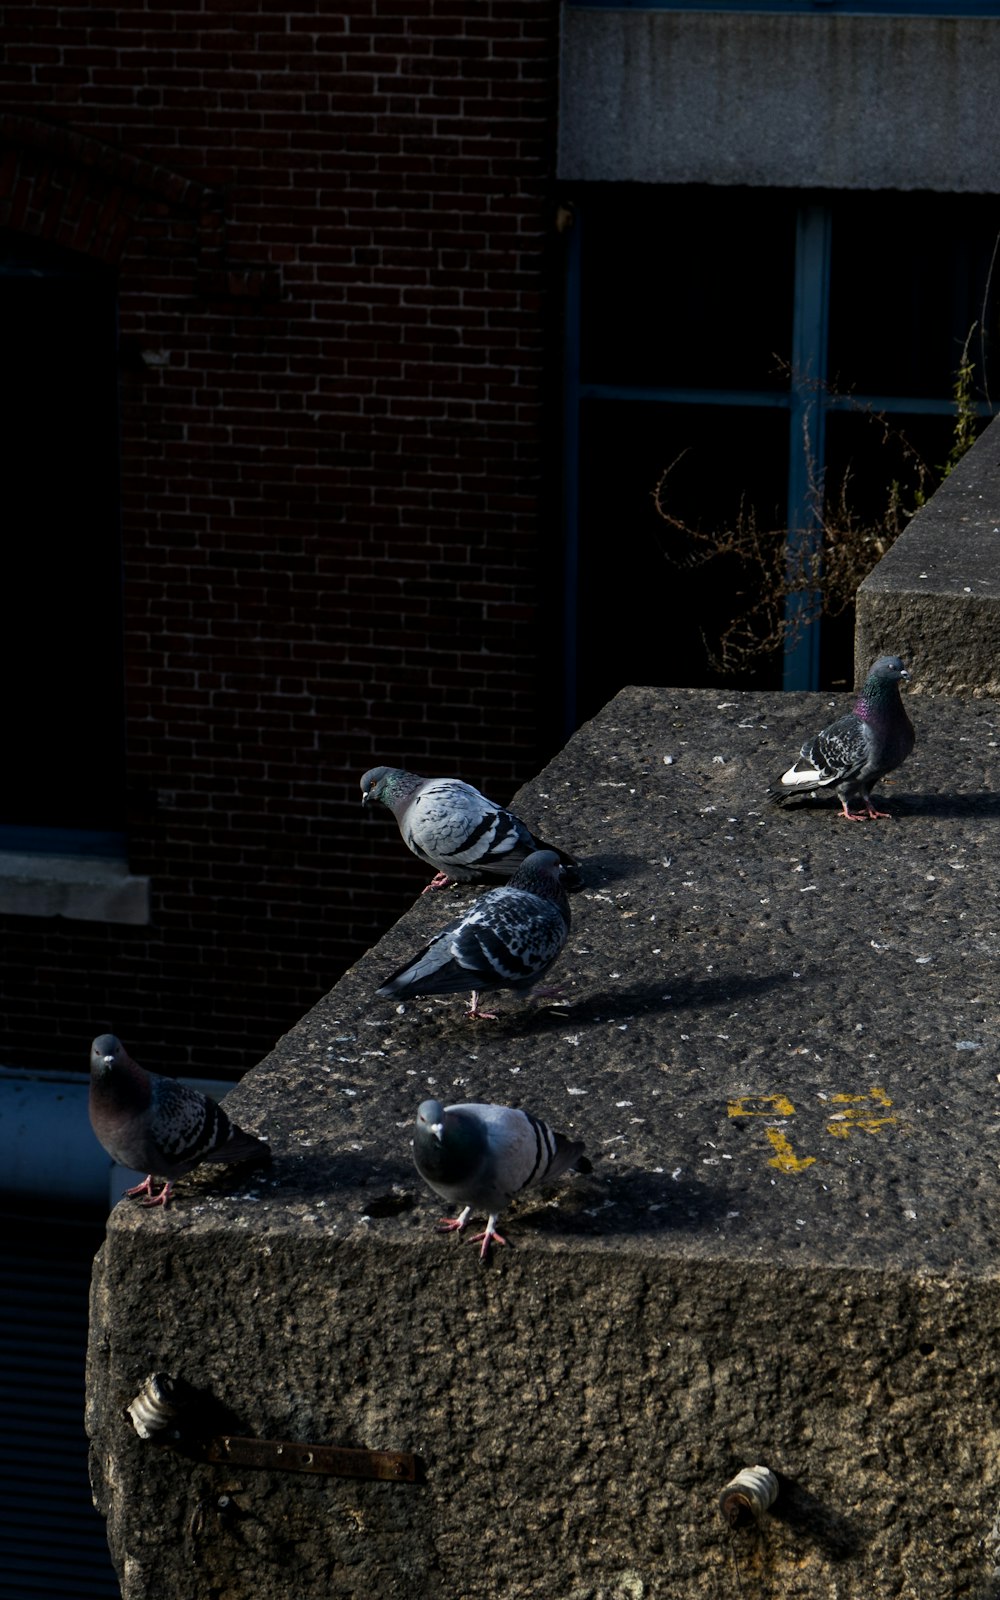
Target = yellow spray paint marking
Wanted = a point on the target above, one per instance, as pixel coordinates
(784, 1157)
(863, 1113)
(772, 1105)
(761, 1105)
(843, 1123)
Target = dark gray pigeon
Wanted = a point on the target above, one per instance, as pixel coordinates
(479, 1157)
(455, 829)
(508, 939)
(854, 752)
(145, 1121)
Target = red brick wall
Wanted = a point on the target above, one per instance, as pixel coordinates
(331, 226)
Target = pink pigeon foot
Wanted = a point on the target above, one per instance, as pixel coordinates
(475, 1015)
(489, 1236)
(454, 1224)
(440, 880)
(862, 816)
(146, 1188)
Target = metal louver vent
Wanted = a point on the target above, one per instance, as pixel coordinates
(52, 1541)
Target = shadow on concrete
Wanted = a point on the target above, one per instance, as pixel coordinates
(597, 871)
(815, 1521)
(671, 993)
(634, 1202)
(983, 804)
(949, 805)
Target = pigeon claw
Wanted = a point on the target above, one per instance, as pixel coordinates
(454, 1224)
(146, 1188)
(475, 1015)
(489, 1236)
(440, 880)
(862, 816)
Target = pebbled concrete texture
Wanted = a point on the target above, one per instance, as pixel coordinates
(936, 592)
(779, 1039)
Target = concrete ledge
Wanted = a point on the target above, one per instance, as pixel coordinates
(781, 1046)
(935, 597)
(80, 888)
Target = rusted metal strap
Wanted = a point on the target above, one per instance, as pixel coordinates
(285, 1455)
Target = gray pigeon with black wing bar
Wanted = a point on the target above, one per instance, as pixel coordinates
(479, 1157)
(148, 1122)
(455, 829)
(508, 939)
(853, 753)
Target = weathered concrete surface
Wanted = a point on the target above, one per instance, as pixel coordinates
(935, 596)
(780, 1045)
(822, 101)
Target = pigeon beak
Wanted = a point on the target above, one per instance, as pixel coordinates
(437, 1129)
(905, 674)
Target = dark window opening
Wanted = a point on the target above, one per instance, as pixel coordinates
(768, 347)
(64, 785)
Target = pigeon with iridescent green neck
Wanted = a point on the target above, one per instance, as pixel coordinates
(479, 1157)
(455, 829)
(854, 752)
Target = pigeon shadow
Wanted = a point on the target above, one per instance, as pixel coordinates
(596, 871)
(627, 1203)
(609, 1005)
(315, 1172)
(983, 804)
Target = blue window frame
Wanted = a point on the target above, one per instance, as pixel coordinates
(758, 330)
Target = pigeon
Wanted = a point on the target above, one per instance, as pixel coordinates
(479, 1157)
(455, 829)
(857, 750)
(507, 939)
(144, 1120)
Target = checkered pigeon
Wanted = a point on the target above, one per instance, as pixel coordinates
(455, 829)
(478, 1157)
(508, 939)
(858, 749)
(146, 1121)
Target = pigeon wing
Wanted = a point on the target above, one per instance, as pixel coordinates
(525, 1149)
(836, 755)
(187, 1128)
(840, 751)
(457, 830)
(508, 939)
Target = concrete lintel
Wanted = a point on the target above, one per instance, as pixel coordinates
(780, 1044)
(934, 598)
(80, 888)
(788, 101)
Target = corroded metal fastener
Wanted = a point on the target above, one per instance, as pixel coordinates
(752, 1492)
(165, 1409)
(285, 1455)
(156, 1407)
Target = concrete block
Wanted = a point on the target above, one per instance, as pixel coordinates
(934, 598)
(80, 888)
(780, 1041)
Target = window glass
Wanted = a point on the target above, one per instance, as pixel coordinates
(686, 286)
(646, 605)
(61, 639)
